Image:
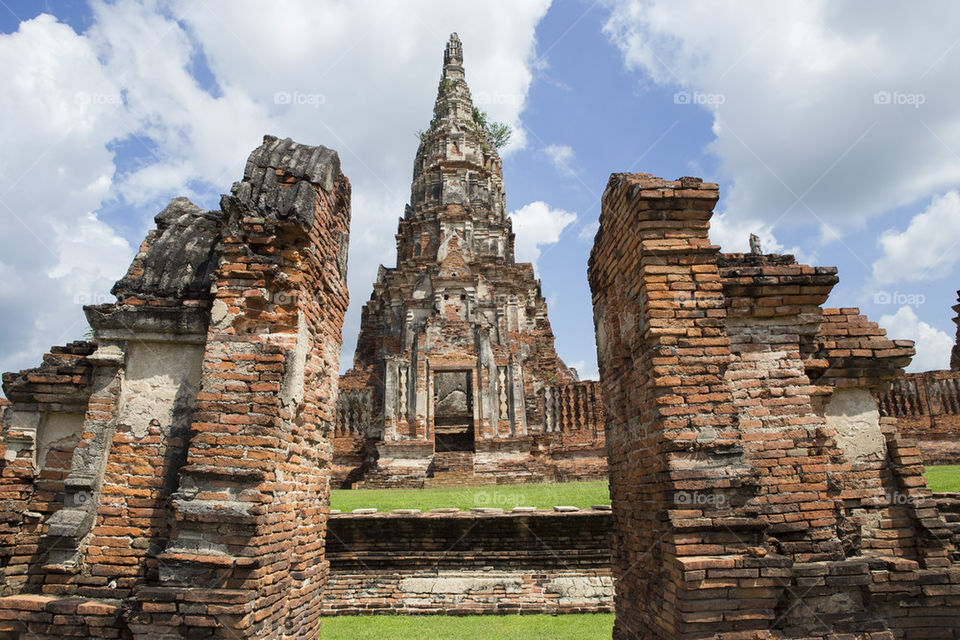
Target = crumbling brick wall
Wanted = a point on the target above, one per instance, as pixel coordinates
(927, 407)
(756, 490)
(41, 425)
(197, 495)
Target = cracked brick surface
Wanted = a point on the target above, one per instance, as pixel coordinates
(757, 491)
(170, 478)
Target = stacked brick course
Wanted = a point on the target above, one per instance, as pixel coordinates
(470, 563)
(757, 493)
(194, 504)
(41, 427)
(955, 352)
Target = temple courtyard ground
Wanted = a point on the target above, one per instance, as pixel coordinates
(528, 627)
(505, 496)
(539, 627)
(943, 478)
(543, 496)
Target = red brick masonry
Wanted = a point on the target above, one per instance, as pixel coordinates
(170, 478)
(486, 562)
(757, 492)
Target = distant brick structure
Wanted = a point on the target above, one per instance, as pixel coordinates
(757, 492)
(926, 407)
(170, 478)
(455, 377)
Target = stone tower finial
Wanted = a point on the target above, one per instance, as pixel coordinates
(453, 96)
(457, 161)
(454, 51)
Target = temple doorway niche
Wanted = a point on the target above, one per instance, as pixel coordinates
(453, 411)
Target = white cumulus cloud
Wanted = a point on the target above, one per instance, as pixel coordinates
(589, 231)
(586, 370)
(60, 109)
(928, 248)
(537, 225)
(822, 113)
(561, 156)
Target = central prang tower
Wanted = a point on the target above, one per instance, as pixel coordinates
(455, 360)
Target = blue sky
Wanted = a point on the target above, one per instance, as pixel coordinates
(833, 134)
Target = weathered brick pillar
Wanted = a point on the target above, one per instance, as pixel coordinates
(245, 558)
(756, 491)
(671, 436)
(773, 317)
(39, 427)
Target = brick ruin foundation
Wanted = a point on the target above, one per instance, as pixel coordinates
(455, 378)
(170, 478)
(482, 562)
(757, 492)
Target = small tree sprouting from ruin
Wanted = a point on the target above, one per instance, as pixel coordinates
(499, 132)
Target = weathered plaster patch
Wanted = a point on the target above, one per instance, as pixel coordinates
(57, 428)
(581, 588)
(853, 414)
(161, 384)
(291, 389)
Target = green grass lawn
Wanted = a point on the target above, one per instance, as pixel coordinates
(943, 478)
(588, 626)
(505, 496)
(543, 496)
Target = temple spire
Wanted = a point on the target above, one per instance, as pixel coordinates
(457, 170)
(453, 103)
(453, 55)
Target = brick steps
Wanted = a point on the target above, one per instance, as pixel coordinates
(453, 468)
(454, 479)
(452, 461)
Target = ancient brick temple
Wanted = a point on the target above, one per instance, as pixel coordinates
(169, 478)
(757, 491)
(455, 377)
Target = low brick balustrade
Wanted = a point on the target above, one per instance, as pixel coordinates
(482, 561)
(927, 408)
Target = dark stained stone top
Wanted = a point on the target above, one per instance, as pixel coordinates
(178, 259)
(280, 177)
